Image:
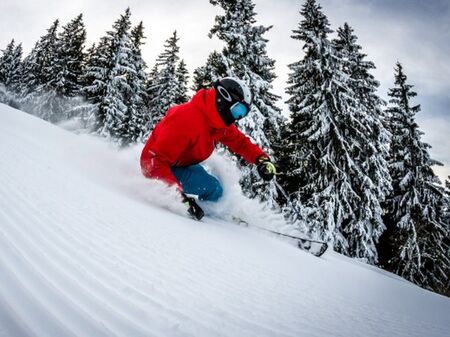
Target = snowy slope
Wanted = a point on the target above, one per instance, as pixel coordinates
(85, 250)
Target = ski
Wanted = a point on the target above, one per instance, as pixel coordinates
(302, 243)
(305, 244)
(315, 247)
(239, 221)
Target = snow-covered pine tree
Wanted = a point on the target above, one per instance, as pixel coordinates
(6, 61)
(10, 66)
(210, 72)
(39, 76)
(333, 141)
(447, 192)
(313, 30)
(10, 73)
(114, 82)
(151, 90)
(70, 59)
(363, 82)
(245, 57)
(371, 153)
(116, 103)
(139, 112)
(95, 79)
(183, 78)
(40, 59)
(415, 245)
(446, 289)
(54, 98)
(14, 79)
(90, 53)
(82, 107)
(164, 88)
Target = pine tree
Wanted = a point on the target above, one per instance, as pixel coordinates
(372, 153)
(53, 99)
(39, 61)
(118, 93)
(212, 71)
(70, 58)
(447, 193)
(139, 111)
(5, 61)
(165, 86)
(183, 78)
(14, 79)
(363, 82)
(415, 245)
(10, 66)
(39, 76)
(95, 80)
(87, 111)
(446, 288)
(309, 119)
(115, 82)
(151, 90)
(334, 146)
(244, 56)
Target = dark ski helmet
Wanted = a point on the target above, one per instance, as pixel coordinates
(233, 99)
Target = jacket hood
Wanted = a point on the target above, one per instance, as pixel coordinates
(205, 100)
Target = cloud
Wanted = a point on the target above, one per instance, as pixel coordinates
(414, 32)
(436, 133)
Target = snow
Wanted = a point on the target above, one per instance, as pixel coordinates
(88, 247)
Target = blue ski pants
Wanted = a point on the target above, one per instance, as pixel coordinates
(195, 180)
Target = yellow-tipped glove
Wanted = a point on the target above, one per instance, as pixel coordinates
(266, 168)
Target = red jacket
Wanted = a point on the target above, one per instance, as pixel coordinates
(187, 136)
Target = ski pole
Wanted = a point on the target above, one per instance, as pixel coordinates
(284, 193)
(286, 196)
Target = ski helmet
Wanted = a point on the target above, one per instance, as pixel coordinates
(233, 99)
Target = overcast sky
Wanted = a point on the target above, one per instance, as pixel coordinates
(414, 32)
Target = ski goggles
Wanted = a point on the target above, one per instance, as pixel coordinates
(239, 110)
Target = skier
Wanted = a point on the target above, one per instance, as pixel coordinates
(187, 135)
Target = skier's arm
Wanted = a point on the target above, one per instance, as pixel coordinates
(240, 144)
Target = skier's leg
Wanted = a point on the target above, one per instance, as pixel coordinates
(195, 180)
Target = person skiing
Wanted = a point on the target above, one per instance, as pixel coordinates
(187, 135)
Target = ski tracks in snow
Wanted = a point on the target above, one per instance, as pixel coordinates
(86, 255)
(74, 266)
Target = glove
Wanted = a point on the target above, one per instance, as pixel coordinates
(193, 208)
(266, 168)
